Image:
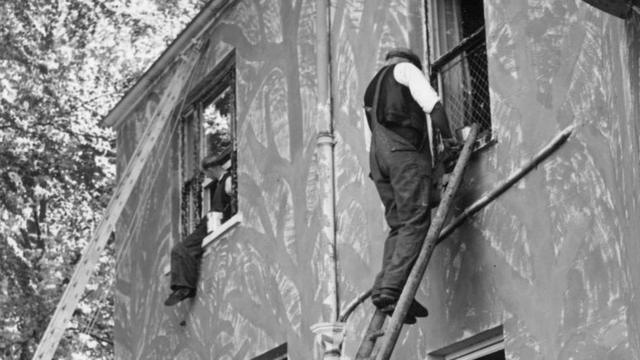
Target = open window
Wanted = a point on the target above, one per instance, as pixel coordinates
(487, 345)
(209, 132)
(459, 63)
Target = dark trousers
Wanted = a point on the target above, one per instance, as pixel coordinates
(402, 176)
(185, 259)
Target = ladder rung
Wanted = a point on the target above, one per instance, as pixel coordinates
(376, 334)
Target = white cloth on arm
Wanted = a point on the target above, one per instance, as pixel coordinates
(410, 76)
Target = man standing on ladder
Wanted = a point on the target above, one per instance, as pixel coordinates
(396, 101)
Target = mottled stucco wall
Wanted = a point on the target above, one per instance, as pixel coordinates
(265, 282)
(554, 260)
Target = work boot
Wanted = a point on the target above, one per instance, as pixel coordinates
(383, 299)
(387, 304)
(178, 295)
(415, 309)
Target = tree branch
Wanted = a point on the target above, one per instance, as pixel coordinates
(101, 339)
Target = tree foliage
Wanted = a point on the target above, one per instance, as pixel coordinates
(63, 66)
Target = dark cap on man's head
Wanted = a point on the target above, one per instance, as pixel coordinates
(217, 159)
(405, 54)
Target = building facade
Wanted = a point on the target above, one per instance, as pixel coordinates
(549, 270)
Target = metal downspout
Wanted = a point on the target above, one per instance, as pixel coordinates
(325, 142)
(329, 335)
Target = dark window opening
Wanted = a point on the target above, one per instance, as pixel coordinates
(498, 355)
(459, 70)
(209, 132)
(620, 8)
(277, 353)
(472, 17)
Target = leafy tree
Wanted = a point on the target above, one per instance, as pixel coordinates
(63, 66)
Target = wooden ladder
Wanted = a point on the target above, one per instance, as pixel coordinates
(91, 253)
(390, 334)
(437, 234)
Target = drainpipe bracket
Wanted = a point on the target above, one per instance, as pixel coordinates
(326, 138)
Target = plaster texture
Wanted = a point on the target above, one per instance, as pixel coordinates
(554, 261)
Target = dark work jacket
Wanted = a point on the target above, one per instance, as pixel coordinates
(397, 110)
(220, 200)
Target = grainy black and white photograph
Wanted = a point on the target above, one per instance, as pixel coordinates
(320, 179)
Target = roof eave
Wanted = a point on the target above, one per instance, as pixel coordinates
(193, 31)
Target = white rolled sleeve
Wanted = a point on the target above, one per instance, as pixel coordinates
(410, 76)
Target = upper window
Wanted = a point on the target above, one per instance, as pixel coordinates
(459, 62)
(208, 143)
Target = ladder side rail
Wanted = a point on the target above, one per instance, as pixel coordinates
(469, 211)
(83, 271)
(369, 339)
(478, 205)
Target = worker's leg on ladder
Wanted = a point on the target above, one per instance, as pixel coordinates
(385, 191)
(387, 255)
(409, 175)
(403, 183)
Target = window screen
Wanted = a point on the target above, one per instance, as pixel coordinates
(459, 67)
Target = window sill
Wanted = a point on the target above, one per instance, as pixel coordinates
(222, 229)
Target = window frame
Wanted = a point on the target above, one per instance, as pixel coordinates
(475, 347)
(439, 59)
(478, 350)
(192, 180)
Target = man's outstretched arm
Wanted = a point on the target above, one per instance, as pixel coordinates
(410, 76)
